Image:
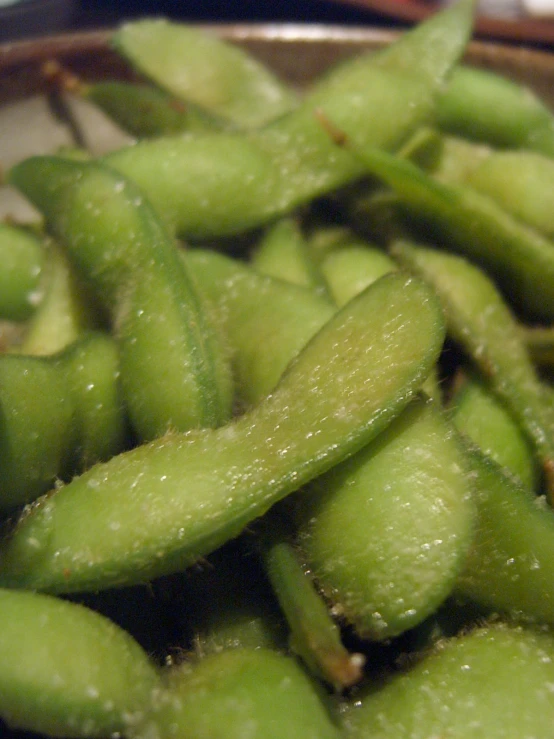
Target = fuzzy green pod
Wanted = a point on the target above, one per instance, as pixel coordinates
(484, 106)
(220, 184)
(243, 692)
(66, 671)
(510, 564)
(202, 488)
(60, 414)
(492, 683)
(174, 370)
(196, 66)
(386, 533)
(267, 321)
(477, 413)
(482, 323)
(22, 262)
(521, 259)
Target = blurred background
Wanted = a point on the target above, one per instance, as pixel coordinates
(528, 22)
(24, 18)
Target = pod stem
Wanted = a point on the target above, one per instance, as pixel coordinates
(315, 637)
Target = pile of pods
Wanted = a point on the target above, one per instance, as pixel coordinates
(277, 424)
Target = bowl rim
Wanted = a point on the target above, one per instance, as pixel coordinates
(526, 64)
(523, 29)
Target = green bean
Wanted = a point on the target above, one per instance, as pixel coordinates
(243, 692)
(60, 414)
(485, 106)
(201, 489)
(315, 637)
(492, 683)
(386, 533)
(196, 66)
(221, 184)
(480, 321)
(478, 414)
(67, 671)
(510, 567)
(168, 349)
(22, 260)
(520, 258)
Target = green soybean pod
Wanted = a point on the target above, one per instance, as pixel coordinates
(283, 253)
(478, 414)
(66, 671)
(60, 414)
(145, 110)
(456, 158)
(196, 66)
(22, 262)
(267, 321)
(491, 683)
(203, 488)
(220, 184)
(510, 564)
(65, 312)
(481, 322)
(481, 105)
(386, 533)
(521, 182)
(350, 270)
(174, 370)
(521, 259)
(243, 692)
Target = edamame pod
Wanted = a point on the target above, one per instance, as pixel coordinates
(65, 312)
(481, 322)
(243, 692)
(196, 66)
(386, 533)
(60, 414)
(478, 414)
(174, 371)
(159, 507)
(484, 106)
(456, 158)
(510, 567)
(283, 253)
(267, 321)
(520, 258)
(492, 683)
(522, 183)
(350, 270)
(21, 266)
(210, 185)
(66, 671)
(145, 111)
